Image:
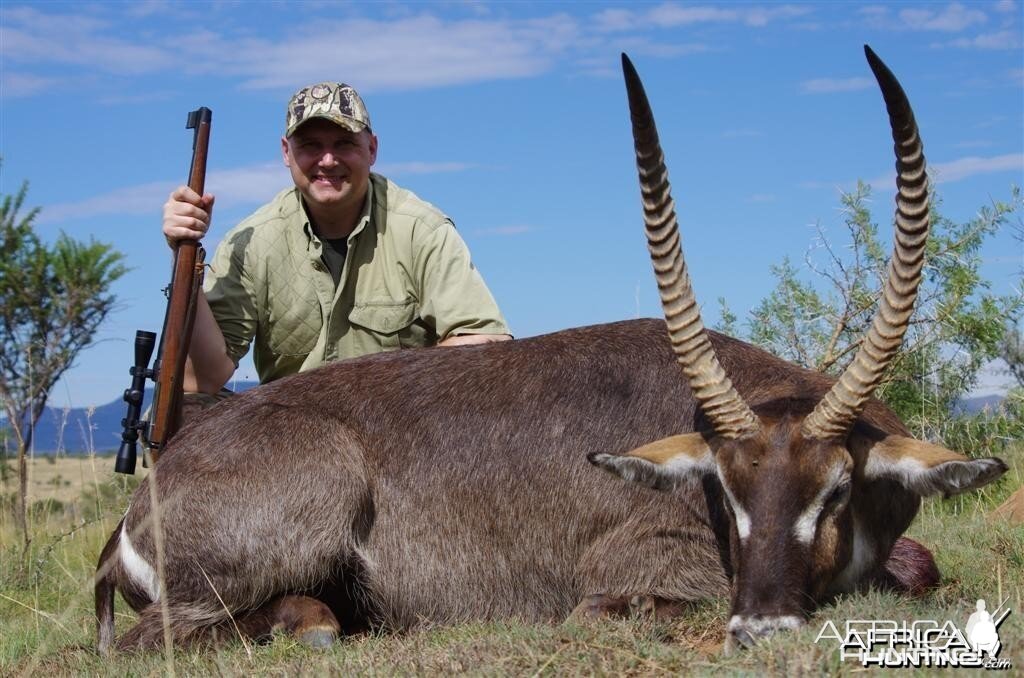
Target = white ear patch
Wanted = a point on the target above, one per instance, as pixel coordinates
(663, 464)
(633, 470)
(928, 469)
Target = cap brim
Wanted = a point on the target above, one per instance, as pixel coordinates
(351, 124)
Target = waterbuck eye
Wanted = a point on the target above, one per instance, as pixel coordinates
(839, 495)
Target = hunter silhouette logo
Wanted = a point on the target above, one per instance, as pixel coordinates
(924, 642)
(983, 630)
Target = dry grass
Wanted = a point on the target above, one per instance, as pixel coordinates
(48, 623)
(63, 478)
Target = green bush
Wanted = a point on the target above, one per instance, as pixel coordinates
(108, 497)
(48, 506)
(984, 434)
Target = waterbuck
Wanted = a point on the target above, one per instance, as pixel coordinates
(438, 486)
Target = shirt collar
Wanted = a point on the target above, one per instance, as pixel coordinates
(364, 217)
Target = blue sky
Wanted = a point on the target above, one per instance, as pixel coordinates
(511, 117)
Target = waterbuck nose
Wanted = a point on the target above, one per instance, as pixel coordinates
(747, 631)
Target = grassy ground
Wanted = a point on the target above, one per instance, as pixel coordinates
(47, 623)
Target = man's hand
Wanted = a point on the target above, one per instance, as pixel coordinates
(186, 215)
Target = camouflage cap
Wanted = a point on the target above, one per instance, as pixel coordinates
(334, 101)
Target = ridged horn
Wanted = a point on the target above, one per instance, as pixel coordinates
(719, 401)
(835, 414)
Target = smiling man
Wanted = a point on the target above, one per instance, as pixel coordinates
(342, 264)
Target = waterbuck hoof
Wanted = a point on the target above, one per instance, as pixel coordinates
(318, 638)
(601, 606)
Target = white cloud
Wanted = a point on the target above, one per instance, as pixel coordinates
(238, 187)
(412, 48)
(873, 11)
(30, 36)
(831, 85)
(990, 121)
(762, 16)
(410, 52)
(994, 378)
(142, 199)
(250, 185)
(406, 54)
(1009, 39)
(953, 18)
(672, 15)
(23, 85)
(961, 168)
(955, 170)
(612, 20)
(1005, 6)
(642, 46)
(974, 144)
(145, 8)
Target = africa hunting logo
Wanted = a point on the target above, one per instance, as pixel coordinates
(922, 643)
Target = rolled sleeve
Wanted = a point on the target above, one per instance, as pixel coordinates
(453, 296)
(230, 292)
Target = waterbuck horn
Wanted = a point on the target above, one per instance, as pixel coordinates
(719, 401)
(836, 412)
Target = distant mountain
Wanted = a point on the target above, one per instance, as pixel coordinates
(979, 404)
(80, 430)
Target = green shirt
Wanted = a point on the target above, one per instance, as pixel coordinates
(407, 281)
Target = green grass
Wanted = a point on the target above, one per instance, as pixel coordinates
(47, 625)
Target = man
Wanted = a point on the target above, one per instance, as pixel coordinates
(343, 264)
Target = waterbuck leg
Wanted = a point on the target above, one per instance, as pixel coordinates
(601, 605)
(307, 619)
(186, 629)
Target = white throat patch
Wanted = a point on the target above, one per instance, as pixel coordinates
(861, 560)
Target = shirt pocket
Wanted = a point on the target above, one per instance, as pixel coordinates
(386, 321)
(295, 321)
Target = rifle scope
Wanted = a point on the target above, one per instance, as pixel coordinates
(126, 454)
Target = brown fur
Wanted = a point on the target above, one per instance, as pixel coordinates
(448, 485)
(910, 569)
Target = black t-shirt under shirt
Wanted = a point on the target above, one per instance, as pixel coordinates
(333, 256)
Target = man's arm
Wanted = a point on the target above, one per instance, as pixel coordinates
(467, 339)
(208, 366)
(453, 296)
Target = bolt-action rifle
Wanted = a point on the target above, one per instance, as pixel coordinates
(169, 368)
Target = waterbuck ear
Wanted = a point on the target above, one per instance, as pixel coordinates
(928, 469)
(662, 464)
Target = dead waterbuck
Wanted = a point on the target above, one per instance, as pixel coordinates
(439, 486)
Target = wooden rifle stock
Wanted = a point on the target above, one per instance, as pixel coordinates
(186, 280)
